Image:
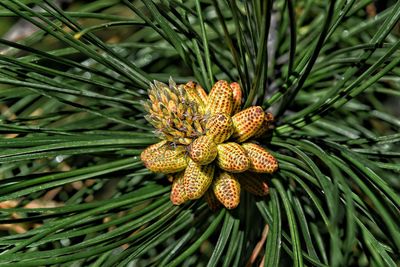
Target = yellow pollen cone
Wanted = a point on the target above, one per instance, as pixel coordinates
(247, 122)
(220, 99)
(197, 179)
(253, 183)
(260, 159)
(268, 120)
(165, 158)
(197, 92)
(203, 150)
(203, 95)
(237, 97)
(219, 127)
(147, 153)
(178, 195)
(212, 200)
(232, 157)
(226, 188)
(193, 95)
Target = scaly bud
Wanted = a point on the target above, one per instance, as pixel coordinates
(219, 127)
(232, 157)
(178, 195)
(260, 160)
(237, 97)
(197, 179)
(161, 157)
(176, 111)
(203, 150)
(253, 183)
(226, 188)
(220, 99)
(247, 122)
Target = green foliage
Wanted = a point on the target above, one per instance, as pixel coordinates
(73, 127)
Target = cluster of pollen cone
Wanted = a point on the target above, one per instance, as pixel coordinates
(206, 145)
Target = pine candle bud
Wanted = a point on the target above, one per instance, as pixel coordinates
(176, 111)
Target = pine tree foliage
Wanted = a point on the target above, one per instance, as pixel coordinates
(74, 192)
